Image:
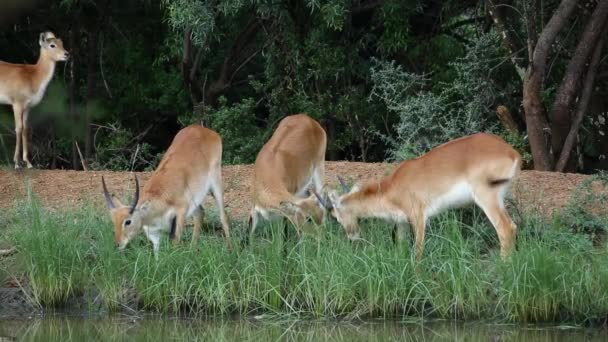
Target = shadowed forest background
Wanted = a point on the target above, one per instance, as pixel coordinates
(388, 79)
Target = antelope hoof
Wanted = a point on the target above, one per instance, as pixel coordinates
(354, 236)
(29, 165)
(17, 166)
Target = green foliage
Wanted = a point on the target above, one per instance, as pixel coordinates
(197, 15)
(519, 143)
(431, 113)
(430, 78)
(117, 150)
(236, 124)
(584, 210)
(395, 15)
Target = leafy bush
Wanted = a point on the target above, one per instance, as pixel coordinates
(432, 112)
(117, 149)
(235, 123)
(584, 212)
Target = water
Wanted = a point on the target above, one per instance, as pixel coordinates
(156, 329)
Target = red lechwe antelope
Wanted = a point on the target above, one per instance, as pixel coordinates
(23, 85)
(478, 168)
(286, 166)
(189, 169)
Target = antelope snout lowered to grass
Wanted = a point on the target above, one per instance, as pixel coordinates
(191, 167)
(23, 85)
(478, 168)
(286, 166)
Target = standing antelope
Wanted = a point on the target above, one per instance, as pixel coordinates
(23, 85)
(189, 169)
(478, 168)
(285, 167)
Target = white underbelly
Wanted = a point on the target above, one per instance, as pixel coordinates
(457, 196)
(160, 224)
(197, 194)
(4, 99)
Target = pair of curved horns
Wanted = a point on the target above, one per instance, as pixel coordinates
(324, 202)
(108, 197)
(345, 187)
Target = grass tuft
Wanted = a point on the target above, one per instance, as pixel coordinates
(556, 274)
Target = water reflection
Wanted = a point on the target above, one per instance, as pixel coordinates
(156, 329)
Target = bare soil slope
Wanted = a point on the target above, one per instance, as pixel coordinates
(59, 189)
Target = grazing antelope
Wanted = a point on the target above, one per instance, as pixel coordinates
(478, 168)
(23, 85)
(285, 167)
(189, 169)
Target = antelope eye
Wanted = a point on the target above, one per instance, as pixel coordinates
(127, 222)
(52, 46)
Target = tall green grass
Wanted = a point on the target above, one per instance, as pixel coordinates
(554, 275)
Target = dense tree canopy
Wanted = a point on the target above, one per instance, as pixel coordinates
(388, 79)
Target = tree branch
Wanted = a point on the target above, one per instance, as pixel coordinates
(238, 56)
(555, 24)
(531, 28)
(569, 87)
(583, 103)
(509, 38)
(536, 121)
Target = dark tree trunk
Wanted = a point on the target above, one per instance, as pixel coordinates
(560, 114)
(536, 121)
(569, 142)
(205, 93)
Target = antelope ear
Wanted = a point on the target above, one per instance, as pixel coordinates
(116, 201)
(45, 36)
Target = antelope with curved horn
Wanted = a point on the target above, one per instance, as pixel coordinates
(191, 167)
(23, 85)
(286, 166)
(474, 169)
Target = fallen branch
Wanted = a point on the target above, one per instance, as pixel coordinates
(84, 165)
(505, 117)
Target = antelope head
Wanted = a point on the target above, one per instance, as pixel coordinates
(127, 219)
(52, 47)
(336, 204)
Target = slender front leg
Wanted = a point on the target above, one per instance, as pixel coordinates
(24, 138)
(218, 194)
(18, 115)
(197, 216)
(419, 224)
(253, 223)
(154, 237)
(401, 231)
(179, 227)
